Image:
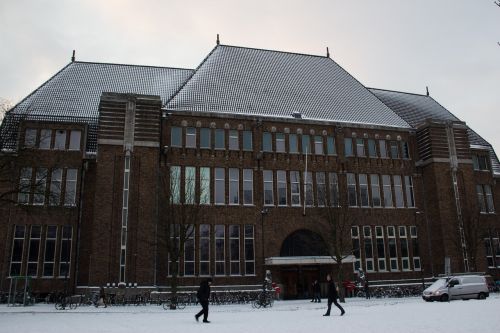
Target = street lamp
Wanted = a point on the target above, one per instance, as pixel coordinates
(263, 213)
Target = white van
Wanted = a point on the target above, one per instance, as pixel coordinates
(457, 287)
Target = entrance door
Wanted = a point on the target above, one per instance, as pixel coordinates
(297, 281)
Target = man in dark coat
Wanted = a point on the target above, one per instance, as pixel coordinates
(203, 295)
(316, 292)
(332, 296)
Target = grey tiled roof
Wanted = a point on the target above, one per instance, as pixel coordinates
(259, 82)
(73, 94)
(415, 109)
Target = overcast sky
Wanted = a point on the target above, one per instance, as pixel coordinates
(448, 45)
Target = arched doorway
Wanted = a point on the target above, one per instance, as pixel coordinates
(303, 243)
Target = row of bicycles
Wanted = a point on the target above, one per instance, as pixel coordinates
(391, 291)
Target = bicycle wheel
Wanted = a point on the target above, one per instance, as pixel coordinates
(166, 305)
(180, 305)
(256, 304)
(60, 306)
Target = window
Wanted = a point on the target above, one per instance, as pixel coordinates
(352, 195)
(318, 145)
(220, 186)
(405, 150)
(386, 183)
(204, 186)
(489, 253)
(55, 187)
(330, 145)
(234, 248)
(220, 253)
(295, 187)
(74, 140)
(65, 253)
(205, 138)
(280, 142)
(45, 138)
(363, 190)
(485, 199)
(268, 187)
(267, 142)
(306, 145)
(30, 138)
(189, 185)
(281, 182)
(415, 248)
(176, 136)
(356, 247)
(249, 250)
(480, 199)
(309, 192)
(382, 148)
(480, 162)
(60, 140)
(394, 149)
(393, 252)
(348, 147)
(293, 143)
(234, 186)
(23, 197)
(372, 149)
(34, 250)
(175, 184)
(189, 252)
(379, 234)
(489, 198)
(234, 140)
(247, 141)
(16, 258)
(334, 190)
(204, 249)
(376, 199)
(70, 191)
(403, 241)
(50, 251)
(410, 199)
(247, 186)
(360, 147)
(367, 233)
(321, 188)
(175, 232)
(398, 191)
(190, 137)
(220, 139)
(40, 186)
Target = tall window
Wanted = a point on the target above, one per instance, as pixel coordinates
(220, 138)
(485, 199)
(367, 233)
(55, 187)
(379, 234)
(191, 137)
(415, 248)
(293, 143)
(393, 252)
(234, 186)
(330, 145)
(205, 138)
(220, 186)
(386, 183)
(321, 188)
(189, 252)
(281, 182)
(30, 138)
(352, 194)
(220, 252)
(363, 190)
(309, 192)
(372, 149)
(318, 145)
(267, 142)
(234, 142)
(489, 198)
(16, 258)
(394, 149)
(234, 247)
(280, 142)
(382, 148)
(45, 138)
(34, 250)
(40, 186)
(480, 162)
(189, 185)
(204, 249)
(334, 190)
(70, 190)
(405, 149)
(175, 241)
(247, 186)
(306, 144)
(405, 256)
(268, 187)
(360, 147)
(356, 247)
(60, 140)
(489, 252)
(175, 184)
(247, 141)
(176, 136)
(204, 186)
(376, 199)
(65, 256)
(398, 191)
(24, 194)
(410, 199)
(50, 251)
(295, 187)
(348, 147)
(249, 250)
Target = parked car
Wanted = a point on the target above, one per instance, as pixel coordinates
(457, 287)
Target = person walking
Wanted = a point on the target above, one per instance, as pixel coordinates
(203, 295)
(102, 298)
(332, 296)
(316, 292)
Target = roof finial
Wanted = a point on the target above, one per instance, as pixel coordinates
(427, 89)
(218, 41)
(327, 52)
(73, 56)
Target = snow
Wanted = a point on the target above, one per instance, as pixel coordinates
(374, 315)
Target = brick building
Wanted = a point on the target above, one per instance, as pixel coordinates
(271, 160)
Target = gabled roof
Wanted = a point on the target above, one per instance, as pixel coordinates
(74, 92)
(248, 81)
(415, 109)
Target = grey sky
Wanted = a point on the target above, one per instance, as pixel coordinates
(448, 45)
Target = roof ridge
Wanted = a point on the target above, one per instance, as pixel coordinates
(276, 51)
(131, 65)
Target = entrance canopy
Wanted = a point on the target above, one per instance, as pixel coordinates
(306, 260)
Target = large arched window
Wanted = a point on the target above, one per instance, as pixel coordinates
(303, 243)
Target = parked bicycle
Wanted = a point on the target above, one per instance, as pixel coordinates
(64, 302)
(264, 299)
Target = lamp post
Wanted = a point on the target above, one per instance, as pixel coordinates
(263, 213)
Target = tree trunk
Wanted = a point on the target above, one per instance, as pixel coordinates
(340, 280)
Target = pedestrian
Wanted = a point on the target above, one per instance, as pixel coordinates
(367, 289)
(316, 288)
(203, 295)
(102, 298)
(332, 296)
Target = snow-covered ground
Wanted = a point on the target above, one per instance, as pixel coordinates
(362, 316)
